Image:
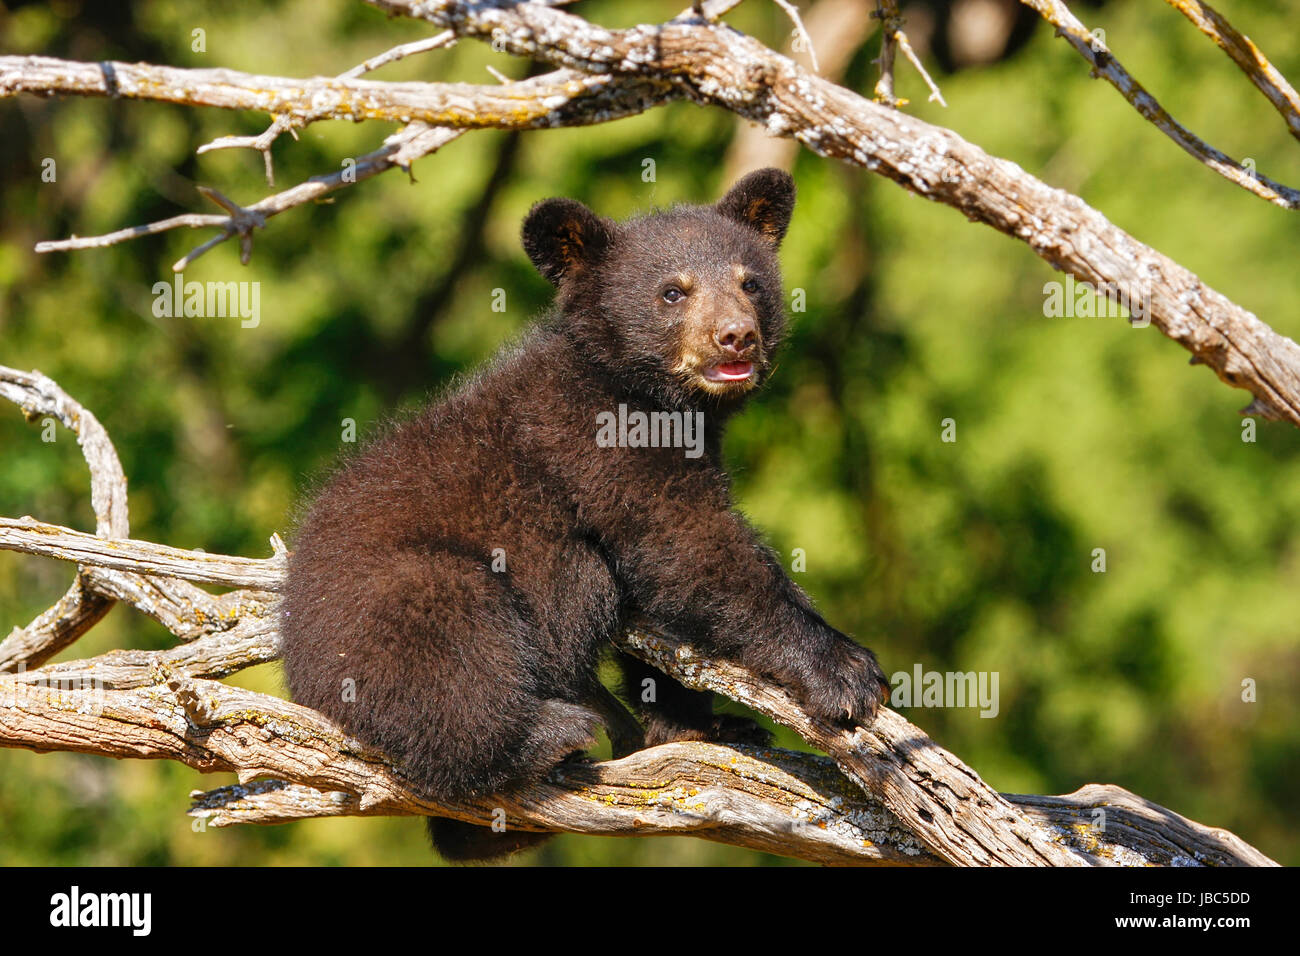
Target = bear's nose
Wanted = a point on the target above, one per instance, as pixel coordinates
(736, 335)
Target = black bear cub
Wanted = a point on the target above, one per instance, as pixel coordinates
(453, 585)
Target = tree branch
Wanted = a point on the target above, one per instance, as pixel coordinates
(157, 705)
(287, 124)
(719, 66)
(627, 71)
(901, 800)
(767, 799)
(1246, 55)
(1104, 64)
(81, 607)
(399, 150)
(28, 536)
(535, 103)
(434, 114)
(893, 38)
(931, 792)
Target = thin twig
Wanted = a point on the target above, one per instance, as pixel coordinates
(80, 607)
(262, 143)
(906, 47)
(1247, 56)
(1104, 64)
(891, 23)
(399, 150)
(792, 12)
(189, 220)
(446, 38)
(286, 124)
(892, 37)
(560, 98)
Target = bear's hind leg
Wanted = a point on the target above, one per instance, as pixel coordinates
(432, 658)
(562, 730)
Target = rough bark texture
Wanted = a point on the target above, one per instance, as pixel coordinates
(81, 606)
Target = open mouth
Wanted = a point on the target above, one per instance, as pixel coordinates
(729, 372)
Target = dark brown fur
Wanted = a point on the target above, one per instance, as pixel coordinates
(477, 679)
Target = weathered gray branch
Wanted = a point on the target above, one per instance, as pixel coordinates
(1266, 77)
(34, 537)
(717, 65)
(432, 114)
(901, 799)
(286, 123)
(767, 799)
(936, 796)
(610, 73)
(81, 605)
(535, 103)
(160, 705)
(1105, 64)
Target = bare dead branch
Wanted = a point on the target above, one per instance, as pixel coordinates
(932, 793)
(534, 103)
(187, 611)
(917, 804)
(285, 124)
(156, 705)
(721, 67)
(824, 816)
(253, 639)
(399, 150)
(893, 38)
(1104, 64)
(744, 797)
(1247, 56)
(81, 607)
(555, 99)
(28, 536)
(39, 396)
(690, 56)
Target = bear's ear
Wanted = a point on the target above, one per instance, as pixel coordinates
(763, 200)
(562, 237)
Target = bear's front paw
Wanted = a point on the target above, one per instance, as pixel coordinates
(846, 687)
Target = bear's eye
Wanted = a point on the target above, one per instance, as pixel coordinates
(750, 285)
(673, 294)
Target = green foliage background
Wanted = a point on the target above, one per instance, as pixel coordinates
(1073, 433)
